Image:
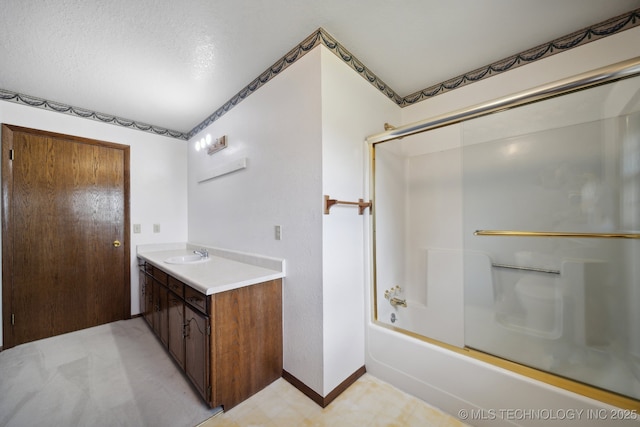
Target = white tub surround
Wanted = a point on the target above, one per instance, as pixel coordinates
(226, 270)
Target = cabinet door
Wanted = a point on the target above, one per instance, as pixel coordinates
(149, 307)
(141, 285)
(197, 329)
(162, 326)
(155, 309)
(176, 328)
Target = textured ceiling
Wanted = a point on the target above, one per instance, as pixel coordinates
(171, 63)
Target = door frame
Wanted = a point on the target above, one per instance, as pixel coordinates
(7, 220)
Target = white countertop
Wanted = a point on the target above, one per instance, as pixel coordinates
(225, 270)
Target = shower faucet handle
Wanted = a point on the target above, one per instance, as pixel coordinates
(395, 301)
(391, 295)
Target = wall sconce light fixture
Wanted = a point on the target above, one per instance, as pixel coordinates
(212, 146)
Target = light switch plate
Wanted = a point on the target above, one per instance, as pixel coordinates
(156, 228)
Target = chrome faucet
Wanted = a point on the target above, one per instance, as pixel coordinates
(202, 252)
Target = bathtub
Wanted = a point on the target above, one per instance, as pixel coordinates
(478, 393)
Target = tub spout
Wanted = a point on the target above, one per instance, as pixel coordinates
(395, 301)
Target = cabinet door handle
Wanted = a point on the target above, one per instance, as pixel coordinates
(185, 330)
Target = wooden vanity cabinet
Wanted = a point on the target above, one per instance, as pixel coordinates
(228, 344)
(246, 341)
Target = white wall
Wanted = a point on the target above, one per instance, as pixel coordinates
(157, 172)
(351, 110)
(303, 136)
(278, 130)
(452, 381)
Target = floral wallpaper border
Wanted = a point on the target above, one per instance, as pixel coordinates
(578, 38)
(322, 37)
(32, 101)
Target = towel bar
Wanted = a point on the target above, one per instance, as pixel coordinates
(362, 205)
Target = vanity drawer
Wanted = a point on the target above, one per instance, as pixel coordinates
(156, 273)
(196, 299)
(176, 286)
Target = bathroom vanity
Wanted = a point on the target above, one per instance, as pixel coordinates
(219, 317)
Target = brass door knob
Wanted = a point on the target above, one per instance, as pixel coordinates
(116, 243)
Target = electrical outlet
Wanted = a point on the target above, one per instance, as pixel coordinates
(278, 232)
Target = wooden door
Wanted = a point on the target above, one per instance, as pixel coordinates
(65, 256)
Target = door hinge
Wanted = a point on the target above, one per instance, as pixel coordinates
(13, 319)
(11, 154)
(208, 329)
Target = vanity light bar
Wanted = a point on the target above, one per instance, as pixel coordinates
(212, 146)
(218, 145)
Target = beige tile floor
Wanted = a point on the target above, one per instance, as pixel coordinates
(369, 402)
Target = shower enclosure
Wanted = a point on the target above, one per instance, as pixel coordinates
(517, 234)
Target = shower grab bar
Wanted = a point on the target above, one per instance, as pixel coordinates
(517, 267)
(555, 234)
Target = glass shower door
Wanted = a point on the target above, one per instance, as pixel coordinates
(551, 197)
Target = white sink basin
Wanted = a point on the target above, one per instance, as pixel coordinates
(186, 259)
